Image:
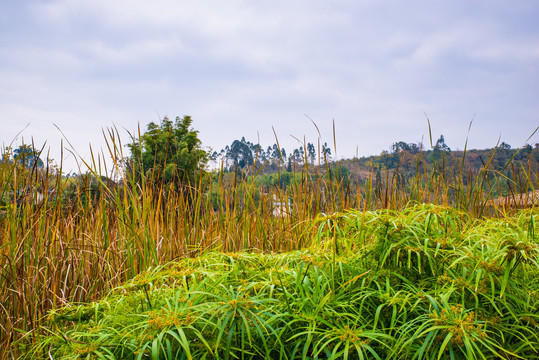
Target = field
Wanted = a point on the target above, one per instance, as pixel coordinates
(432, 268)
(426, 282)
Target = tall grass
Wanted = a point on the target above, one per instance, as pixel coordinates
(428, 282)
(86, 238)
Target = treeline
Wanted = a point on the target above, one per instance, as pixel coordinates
(406, 156)
(171, 153)
(404, 161)
(242, 154)
(518, 167)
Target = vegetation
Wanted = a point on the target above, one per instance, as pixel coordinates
(27, 156)
(424, 283)
(80, 255)
(405, 161)
(242, 155)
(168, 153)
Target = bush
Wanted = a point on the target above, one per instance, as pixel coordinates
(168, 153)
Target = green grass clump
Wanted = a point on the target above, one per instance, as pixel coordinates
(427, 282)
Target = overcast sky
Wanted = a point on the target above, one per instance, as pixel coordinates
(375, 67)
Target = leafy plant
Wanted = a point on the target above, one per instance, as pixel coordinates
(428, 282)
(169, 152)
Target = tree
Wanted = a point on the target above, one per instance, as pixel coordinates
(275, 152)
(170, 152)
(283, 153)
(27, 156)
(400, 146)
(415, 148)
(259, 153)
(289, 166)
(297, 156)
(311, 152)
(326, 152)
(341, 174)
(441, 145)
(240, 154)
(440, 149)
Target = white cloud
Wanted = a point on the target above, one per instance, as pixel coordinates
(240, 67)
(144, 50)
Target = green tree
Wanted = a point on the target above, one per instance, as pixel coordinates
(169, 152)
(400, 146)
(326, 152)
(340, 174)
(298, 159)
(505, 146)
(28, 156)
(440, 149)
(311, 152)
(241, 154)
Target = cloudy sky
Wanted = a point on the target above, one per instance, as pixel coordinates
(374, 67)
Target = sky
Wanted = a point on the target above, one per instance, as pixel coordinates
(70, 70)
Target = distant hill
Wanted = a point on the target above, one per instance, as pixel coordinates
(405, 158)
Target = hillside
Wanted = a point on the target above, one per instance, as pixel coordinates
(405, 160)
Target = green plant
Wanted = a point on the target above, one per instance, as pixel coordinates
(169, 152)
(379, 252)
(460, 291)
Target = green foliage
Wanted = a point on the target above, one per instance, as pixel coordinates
(241, 154)
(22, 176)
(85, 190)
(340, 173)
(440, 149)
(427, 282)
(404, 165)
(27, 156)
(170, 152)
(70, 240)
(281, 180)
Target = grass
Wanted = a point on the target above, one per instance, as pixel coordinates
(427, 282)
(89, 238)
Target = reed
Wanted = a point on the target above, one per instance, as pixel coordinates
(90, 235)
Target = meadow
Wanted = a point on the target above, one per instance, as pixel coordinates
(108, 270)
